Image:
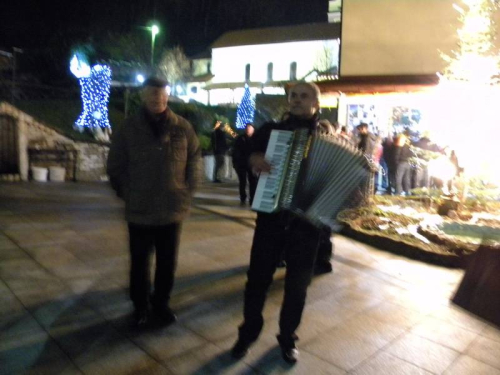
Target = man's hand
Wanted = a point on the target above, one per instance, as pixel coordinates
(259, 164)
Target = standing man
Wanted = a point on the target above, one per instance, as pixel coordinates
(367, 140)
(278, 233)
(219, 147)
(241, 155)
(154, 166)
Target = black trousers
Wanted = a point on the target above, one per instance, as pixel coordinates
(299, 240)
(244, 174)
(325, 247)
(165, 240)
(219, 161)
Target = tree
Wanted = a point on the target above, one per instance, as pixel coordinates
(175, 66)
(475, 60)
(246, 110)
(327, 59)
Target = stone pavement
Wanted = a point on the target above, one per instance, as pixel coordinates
(64, 307)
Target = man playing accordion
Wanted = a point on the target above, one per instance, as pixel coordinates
(281, 232)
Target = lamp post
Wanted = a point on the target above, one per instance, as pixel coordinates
(154, 31)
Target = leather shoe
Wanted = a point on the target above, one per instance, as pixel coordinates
(323, 267)
(165, 314)
(141, 318)
(240, 349)
(290, 354)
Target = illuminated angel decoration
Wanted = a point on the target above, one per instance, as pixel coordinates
(95, 84)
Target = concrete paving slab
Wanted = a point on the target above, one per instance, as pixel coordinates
(64, 306)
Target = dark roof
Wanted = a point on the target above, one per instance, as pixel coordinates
(310, 31)
(373, 84)
(206, 54)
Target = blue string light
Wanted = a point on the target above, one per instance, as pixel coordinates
(246, 109)
(95, 83)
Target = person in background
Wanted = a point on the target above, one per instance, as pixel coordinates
(422, 178)
(367, 140)
(344, 134)
(241, 155)
(219, 148)
(402, 154)
(154, 166)
(389, 164)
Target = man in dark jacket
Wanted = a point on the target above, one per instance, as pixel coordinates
(241, 155)
(219, 147)
(154, 166)
(278, 232)
(367, 140)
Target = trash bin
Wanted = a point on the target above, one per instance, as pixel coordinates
(57, 174)
(39, 173)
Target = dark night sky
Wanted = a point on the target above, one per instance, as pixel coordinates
(52, 27)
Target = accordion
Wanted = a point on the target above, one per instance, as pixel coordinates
(313, 176)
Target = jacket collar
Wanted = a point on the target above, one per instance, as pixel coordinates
(159, 125)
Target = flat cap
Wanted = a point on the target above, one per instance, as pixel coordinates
(155, 81)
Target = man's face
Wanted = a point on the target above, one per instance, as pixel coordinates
(363, 130)
(155, 99)
(249, 130)
(303, 101)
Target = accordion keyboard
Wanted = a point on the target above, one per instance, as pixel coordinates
(269, 186)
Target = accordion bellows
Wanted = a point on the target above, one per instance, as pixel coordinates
(313, 176)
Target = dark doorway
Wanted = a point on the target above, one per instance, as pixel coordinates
(9, 153)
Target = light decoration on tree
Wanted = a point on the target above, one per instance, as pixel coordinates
(464, 110)
(475, 60)
(246, 109)
(95, 85)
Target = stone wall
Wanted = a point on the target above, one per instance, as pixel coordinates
(90, 157)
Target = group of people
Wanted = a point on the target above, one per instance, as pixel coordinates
(154, 166)
(403, 163)
(241, 150)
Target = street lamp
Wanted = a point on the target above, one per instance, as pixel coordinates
(154, 31)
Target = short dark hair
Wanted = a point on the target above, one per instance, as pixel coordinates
(154, 81)
(362, 125)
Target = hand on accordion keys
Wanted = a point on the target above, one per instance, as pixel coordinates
(259, 164)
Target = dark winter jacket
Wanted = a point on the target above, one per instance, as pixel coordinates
(242, 149)
(219, 142)
(367, 144)
(402, 154)
(154, 165)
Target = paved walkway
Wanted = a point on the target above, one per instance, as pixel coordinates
(64, 307)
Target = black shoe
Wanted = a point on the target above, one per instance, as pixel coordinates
(218, 181)
(289, 351)
(323, 267)
(290, 354)
(165, 314)
(240, 349)
(242, 202)
(141, 318)
(281, 264)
